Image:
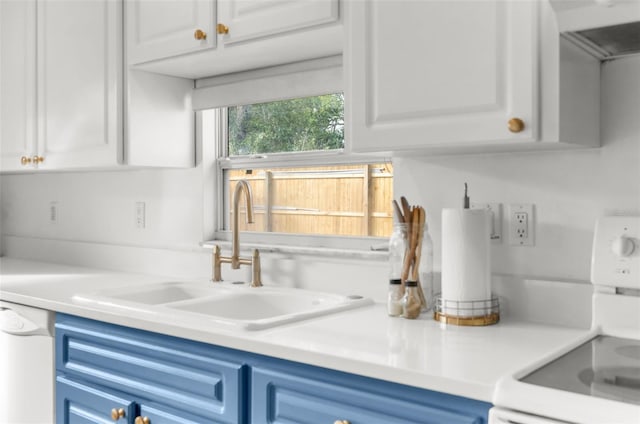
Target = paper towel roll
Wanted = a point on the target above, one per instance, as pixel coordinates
(466, 256)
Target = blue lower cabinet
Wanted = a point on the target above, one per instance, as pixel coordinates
(296, 393)
(83, 403)
(158, 379)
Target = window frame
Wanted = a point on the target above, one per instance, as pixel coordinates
(212, 95)
(284, 242)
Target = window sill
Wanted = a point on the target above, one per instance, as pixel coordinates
(330, 252)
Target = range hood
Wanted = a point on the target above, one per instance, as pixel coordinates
(607, 29)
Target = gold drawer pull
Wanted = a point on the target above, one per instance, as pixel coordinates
(222, 29)
(515, 125)
(116, 414)
(200, 35)
(341, 422)
(142, 420)
(25, 160)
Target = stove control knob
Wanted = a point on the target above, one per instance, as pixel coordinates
(623, 246)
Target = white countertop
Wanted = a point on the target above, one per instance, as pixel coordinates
(464, 361)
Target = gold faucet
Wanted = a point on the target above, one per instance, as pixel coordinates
(235, 260)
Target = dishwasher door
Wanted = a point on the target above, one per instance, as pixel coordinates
(27, 376)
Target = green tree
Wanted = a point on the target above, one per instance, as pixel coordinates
(304, 124)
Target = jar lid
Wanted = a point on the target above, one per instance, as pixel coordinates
(411, 283)
(395, 281)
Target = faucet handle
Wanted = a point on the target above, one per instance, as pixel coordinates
(256, 279)
(216, 265)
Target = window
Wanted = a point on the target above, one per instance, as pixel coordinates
(296, 125)
(278, 129)
(344, 199)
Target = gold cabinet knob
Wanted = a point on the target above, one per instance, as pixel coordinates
(222, 29)
(24, 160)
(515, 125)
(142, 420)
(37, 159)
(116, 414)
(200, 35)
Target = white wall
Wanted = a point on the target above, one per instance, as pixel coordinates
(570, 190)
(99, 207)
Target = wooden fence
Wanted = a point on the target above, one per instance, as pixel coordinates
(353, 200)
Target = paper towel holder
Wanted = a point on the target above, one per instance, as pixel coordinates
(473, 313)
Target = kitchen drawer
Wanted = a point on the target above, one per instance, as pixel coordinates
(185, 377)
(295, 393)
(160, 414)
(80, 403)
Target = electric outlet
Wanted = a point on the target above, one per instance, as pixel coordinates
(140, 218)
(521, 225)
(496, 222)
(53, 212)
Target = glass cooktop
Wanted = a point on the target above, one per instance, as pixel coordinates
(606, 367)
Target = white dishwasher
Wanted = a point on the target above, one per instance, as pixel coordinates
(27, 376)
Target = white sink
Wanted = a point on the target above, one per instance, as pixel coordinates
(223, 303)
(157, 294)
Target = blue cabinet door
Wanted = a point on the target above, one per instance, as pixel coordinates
(160, 414)
(82, 403)
(295, 393)
(187, 378)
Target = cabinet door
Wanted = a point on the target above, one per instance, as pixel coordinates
(79, 83)
(161, 414)
(190, 381)
(81, 403)
(295, 393)
(439, 73)
(17, 82)
(157, 29)
(255, 19)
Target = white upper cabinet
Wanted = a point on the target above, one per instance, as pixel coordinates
(17, 84)
(67, 101)
(256, 19)
(61, 103)
(238, 35)
(441, 75)
(157, 29)
(79, 83)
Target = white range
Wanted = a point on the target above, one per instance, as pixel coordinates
(595, 379)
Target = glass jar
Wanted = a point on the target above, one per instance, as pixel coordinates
(394, 299)
(425, 274)
(397, 249)
(411, 303)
